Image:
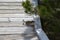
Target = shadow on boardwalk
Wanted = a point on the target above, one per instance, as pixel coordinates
(29, 34)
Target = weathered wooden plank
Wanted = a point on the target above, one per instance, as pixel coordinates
(15, 15)
(11, 8)
(16, 30)
(18, 37)
(21, 19)
(11, 0)
(11, 24)
(10, 4)
(3, 19)
(11, 11)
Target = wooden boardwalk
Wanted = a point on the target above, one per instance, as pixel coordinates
(11, 21)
